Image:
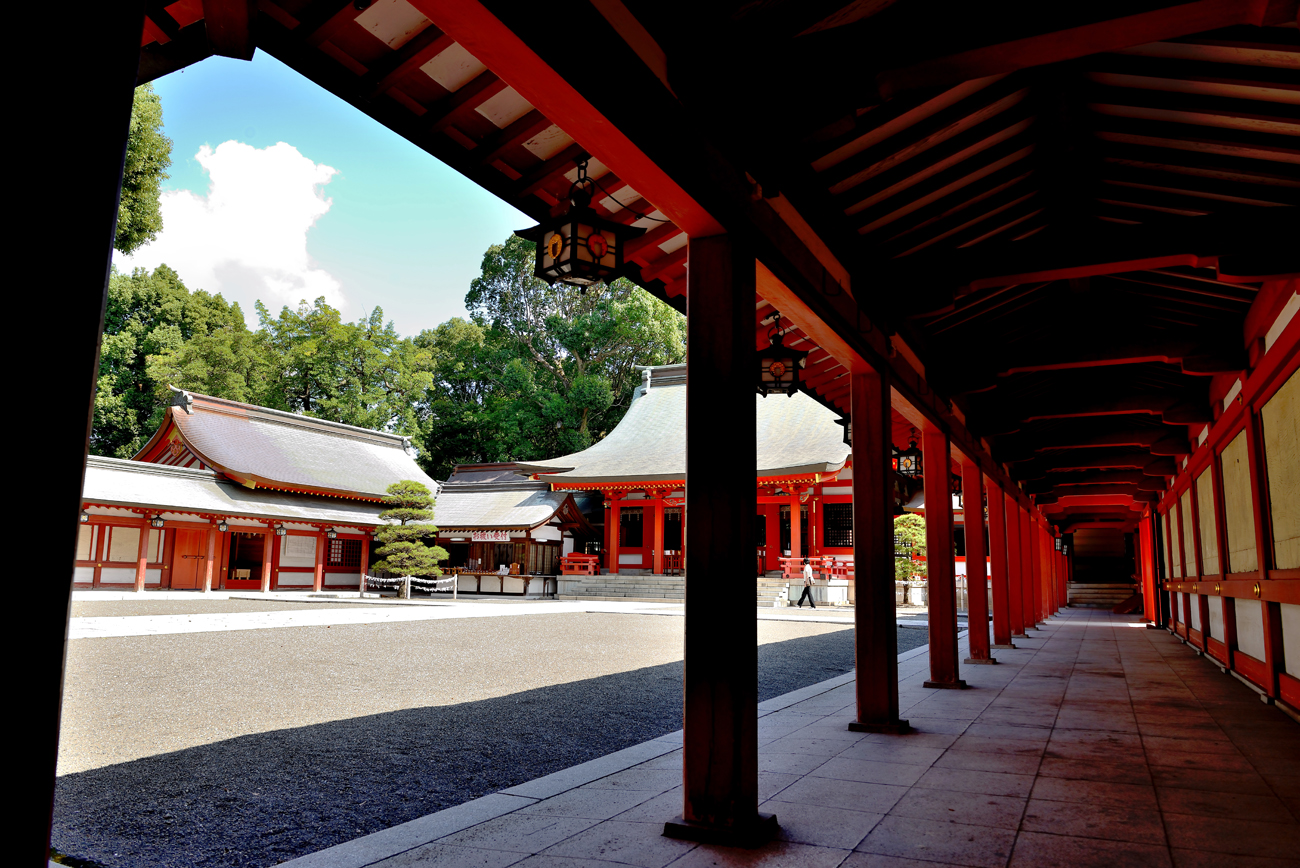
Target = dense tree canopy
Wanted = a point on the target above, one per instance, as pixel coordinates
(148, 154)
(536, 372)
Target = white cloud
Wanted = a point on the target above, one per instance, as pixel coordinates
(247, 238)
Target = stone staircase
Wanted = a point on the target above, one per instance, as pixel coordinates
(770, 586)
(625, 588)
(1087, 595)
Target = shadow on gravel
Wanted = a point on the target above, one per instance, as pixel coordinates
(261, 799)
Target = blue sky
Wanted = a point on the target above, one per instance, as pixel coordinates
(390, 226)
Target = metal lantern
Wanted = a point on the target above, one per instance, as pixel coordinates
(847, 422)
(221, 526)
(279, 530)
(331, 534)
(581, 247)
(957, 490)
(84, 517)
(155, 521)
(1060, 544)
(909, 459)
(779, 366)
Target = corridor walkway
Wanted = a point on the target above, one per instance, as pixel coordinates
(1096, 742)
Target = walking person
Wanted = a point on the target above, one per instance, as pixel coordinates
(807, 584)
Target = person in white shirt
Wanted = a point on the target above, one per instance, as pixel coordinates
(807, 584)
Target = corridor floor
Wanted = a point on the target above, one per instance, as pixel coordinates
(1095, 743)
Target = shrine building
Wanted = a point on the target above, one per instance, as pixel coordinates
(1058, 240)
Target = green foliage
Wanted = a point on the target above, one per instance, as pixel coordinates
(402, 550)
(909, 539)
(148, 154)
(155, 332)
(539, 371)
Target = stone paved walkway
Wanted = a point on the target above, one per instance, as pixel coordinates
(1095, 743)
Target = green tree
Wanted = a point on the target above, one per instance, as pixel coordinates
(148, 154)
(157, 332)
(402, 550)
(909, 541)
(361, 373)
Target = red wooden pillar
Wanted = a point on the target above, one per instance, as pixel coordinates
(1036, 564)
(657, 535)
(1259, 501)
(1027, 568)
(998, 567)
(1015, 567)
(940, 561)
(614, 519)
(796, 540)
(977, 594)
(1148, 571)
(318, 574)
(365, 559)
(875, 635)
(268, 541)
(773, 519)
(142, 557)
(210, 560)
(720, 670)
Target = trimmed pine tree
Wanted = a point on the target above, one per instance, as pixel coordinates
(402, 549)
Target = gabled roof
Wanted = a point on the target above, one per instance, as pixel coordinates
(497, 497)
(264, 448)
(796, 437)
(115, 482)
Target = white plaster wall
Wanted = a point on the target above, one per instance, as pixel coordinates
(1216, 618)
(1196, 611)
(295, 580)
(1291, 638)
(837, 489)
(83, 574)
(513, 585)
(566, 548)
(1250, 628)
(117, 576)
(629, 560)
(349, 579)
(297, 551)
(546, 532)
(152, 577)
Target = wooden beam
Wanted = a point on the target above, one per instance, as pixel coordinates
(229, 26)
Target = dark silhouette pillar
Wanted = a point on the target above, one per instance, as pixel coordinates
(940, 561)
(998, 567)
(1015, 567)
(874, 617)
(720, 677)
(977, 593)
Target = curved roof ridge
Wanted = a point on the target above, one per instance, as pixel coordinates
(284, 417)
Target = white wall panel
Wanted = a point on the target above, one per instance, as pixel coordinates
(1250, 628)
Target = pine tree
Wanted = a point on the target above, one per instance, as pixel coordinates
(402, 550)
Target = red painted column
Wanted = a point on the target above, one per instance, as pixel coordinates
(940, 561)
(1260, 504)
(318, 574)
(977, 592)
(142, 557)
(1027, 568)
(268, 540)
(875, 638)
(365, 559)
(210, 561)
(610, 529)
(1015, 571)
(772, 516)
(998, 567)
(796, 543)
(657, 537)
(1036, 560)
(720, 669)
(614, 518)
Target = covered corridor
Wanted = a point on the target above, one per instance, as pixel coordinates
(1059, 243)
(1096, 743)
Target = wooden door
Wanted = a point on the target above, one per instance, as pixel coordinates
(188, 559)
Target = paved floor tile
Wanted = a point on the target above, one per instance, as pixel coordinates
(783, 854)
(1060, 851)
(1240, 837)
(641, 844)
(966, 781)
(592, 804)
(845, 769)
(817, 824)
(988, 762)
(871, 798)
(1241, 806)
(936, 841)
(1084, 820)
(519, 833)
(1095, 792)
(431, 855)
(967, 808)
(1119, 772)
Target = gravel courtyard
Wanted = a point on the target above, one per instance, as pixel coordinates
(252, 747)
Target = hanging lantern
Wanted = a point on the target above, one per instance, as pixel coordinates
(580, 248)
(331, 534)
(83, 517)
(1060, 544)
(956, 490)
(909, 459)
(779, 366)
(847, 422)
(222, 526)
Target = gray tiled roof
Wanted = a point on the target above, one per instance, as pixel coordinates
(293, 451)
(478, 507)
(796, 435)
(115, 482)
